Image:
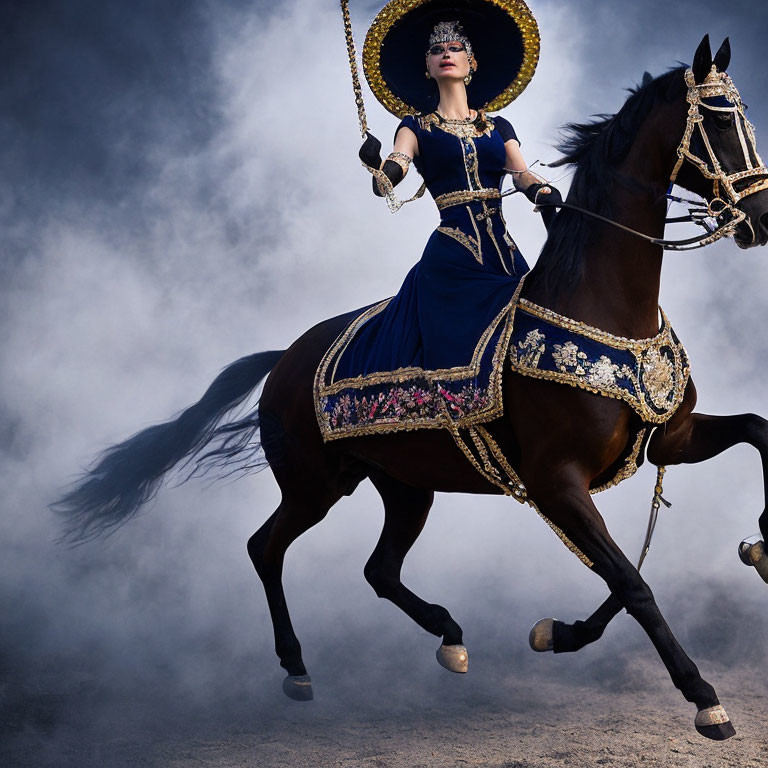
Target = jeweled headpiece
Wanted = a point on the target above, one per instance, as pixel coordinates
(447, 32)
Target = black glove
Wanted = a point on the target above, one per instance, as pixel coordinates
(393, 172)
(537, 197)
(370, 152)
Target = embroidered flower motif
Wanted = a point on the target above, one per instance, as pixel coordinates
(404, 404)
(531, 348)
(602, 373)
(658, 376)
(566, 356)
(649, 374)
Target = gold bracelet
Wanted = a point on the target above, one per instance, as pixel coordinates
(401, 159)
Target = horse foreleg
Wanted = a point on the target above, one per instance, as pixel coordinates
(698, 438)
(266, 549)
(702, 436)
(405, 513)
(565, 501)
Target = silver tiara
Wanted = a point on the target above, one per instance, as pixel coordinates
(448, 31)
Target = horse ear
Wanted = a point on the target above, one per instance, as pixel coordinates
(723, 56)
(647, 79)
(702, 60)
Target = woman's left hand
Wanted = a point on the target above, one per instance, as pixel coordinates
(543, 193)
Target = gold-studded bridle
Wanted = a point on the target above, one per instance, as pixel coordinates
(719, 84)
(722, 207)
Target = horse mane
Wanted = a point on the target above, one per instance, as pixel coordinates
(595, 148)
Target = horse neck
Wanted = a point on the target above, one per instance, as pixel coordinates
(619, 287)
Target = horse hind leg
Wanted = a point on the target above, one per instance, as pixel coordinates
(267, 548)
(405, 513)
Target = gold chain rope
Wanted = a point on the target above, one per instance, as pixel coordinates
(385, 185)
(353, 68)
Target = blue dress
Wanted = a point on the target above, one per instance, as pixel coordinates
(432, 355)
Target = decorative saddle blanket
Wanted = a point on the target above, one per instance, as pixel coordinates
(413, 397)
(648, 374)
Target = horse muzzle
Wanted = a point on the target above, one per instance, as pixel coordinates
(752, 552)
(754, 229)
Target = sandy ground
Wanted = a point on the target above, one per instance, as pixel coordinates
(496, 722)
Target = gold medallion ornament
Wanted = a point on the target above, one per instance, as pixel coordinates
(504, 38)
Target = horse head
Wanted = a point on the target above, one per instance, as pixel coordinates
(717, 157)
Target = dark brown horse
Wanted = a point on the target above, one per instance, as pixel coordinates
(562, 441)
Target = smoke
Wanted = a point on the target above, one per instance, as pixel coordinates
(179, 189)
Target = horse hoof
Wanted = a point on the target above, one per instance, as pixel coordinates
(713, 723)
(453, 657)
(752, 552)
(298, 687)
(541, 636)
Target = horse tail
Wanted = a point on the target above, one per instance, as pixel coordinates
(128, 475)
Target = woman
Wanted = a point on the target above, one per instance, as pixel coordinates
(432, 355)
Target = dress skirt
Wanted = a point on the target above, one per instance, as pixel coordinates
(432, 355)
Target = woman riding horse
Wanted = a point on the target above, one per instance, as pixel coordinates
(546, 389)
(431, 356)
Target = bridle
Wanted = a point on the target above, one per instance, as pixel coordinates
(723, 205)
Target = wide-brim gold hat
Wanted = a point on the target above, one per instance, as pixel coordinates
(505, 42)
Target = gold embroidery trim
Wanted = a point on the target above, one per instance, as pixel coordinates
(618, 342)
(628, 468)
(401, 159)
(462, 129)
(463, 196)
(494, 411)
(472, 245)
(395, 10)
(643, 350)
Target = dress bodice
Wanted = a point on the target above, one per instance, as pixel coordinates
(458, 155)
(433, 355)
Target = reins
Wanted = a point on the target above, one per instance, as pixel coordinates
(694, 216)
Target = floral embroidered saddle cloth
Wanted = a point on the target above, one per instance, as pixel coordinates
(412, 397)
(648, 374)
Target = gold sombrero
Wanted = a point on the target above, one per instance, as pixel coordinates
(504, 36)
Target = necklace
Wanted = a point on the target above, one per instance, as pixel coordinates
(467, 119)
(471, 127)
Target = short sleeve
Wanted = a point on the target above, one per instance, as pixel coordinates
(409, 121)
(505, 129)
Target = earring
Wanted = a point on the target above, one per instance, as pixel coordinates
(427, 75)
(468, 78)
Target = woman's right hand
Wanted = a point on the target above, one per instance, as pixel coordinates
(370, 152)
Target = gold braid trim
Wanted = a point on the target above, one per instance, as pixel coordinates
(642, 349)
(596, 334)
(388, 190)
(472, 245)
(628, 468)
(462, 196)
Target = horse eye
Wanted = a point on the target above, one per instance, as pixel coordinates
(723, 121)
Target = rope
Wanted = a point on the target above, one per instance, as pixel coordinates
(656, 503)
(363, 120)
(385, 185)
